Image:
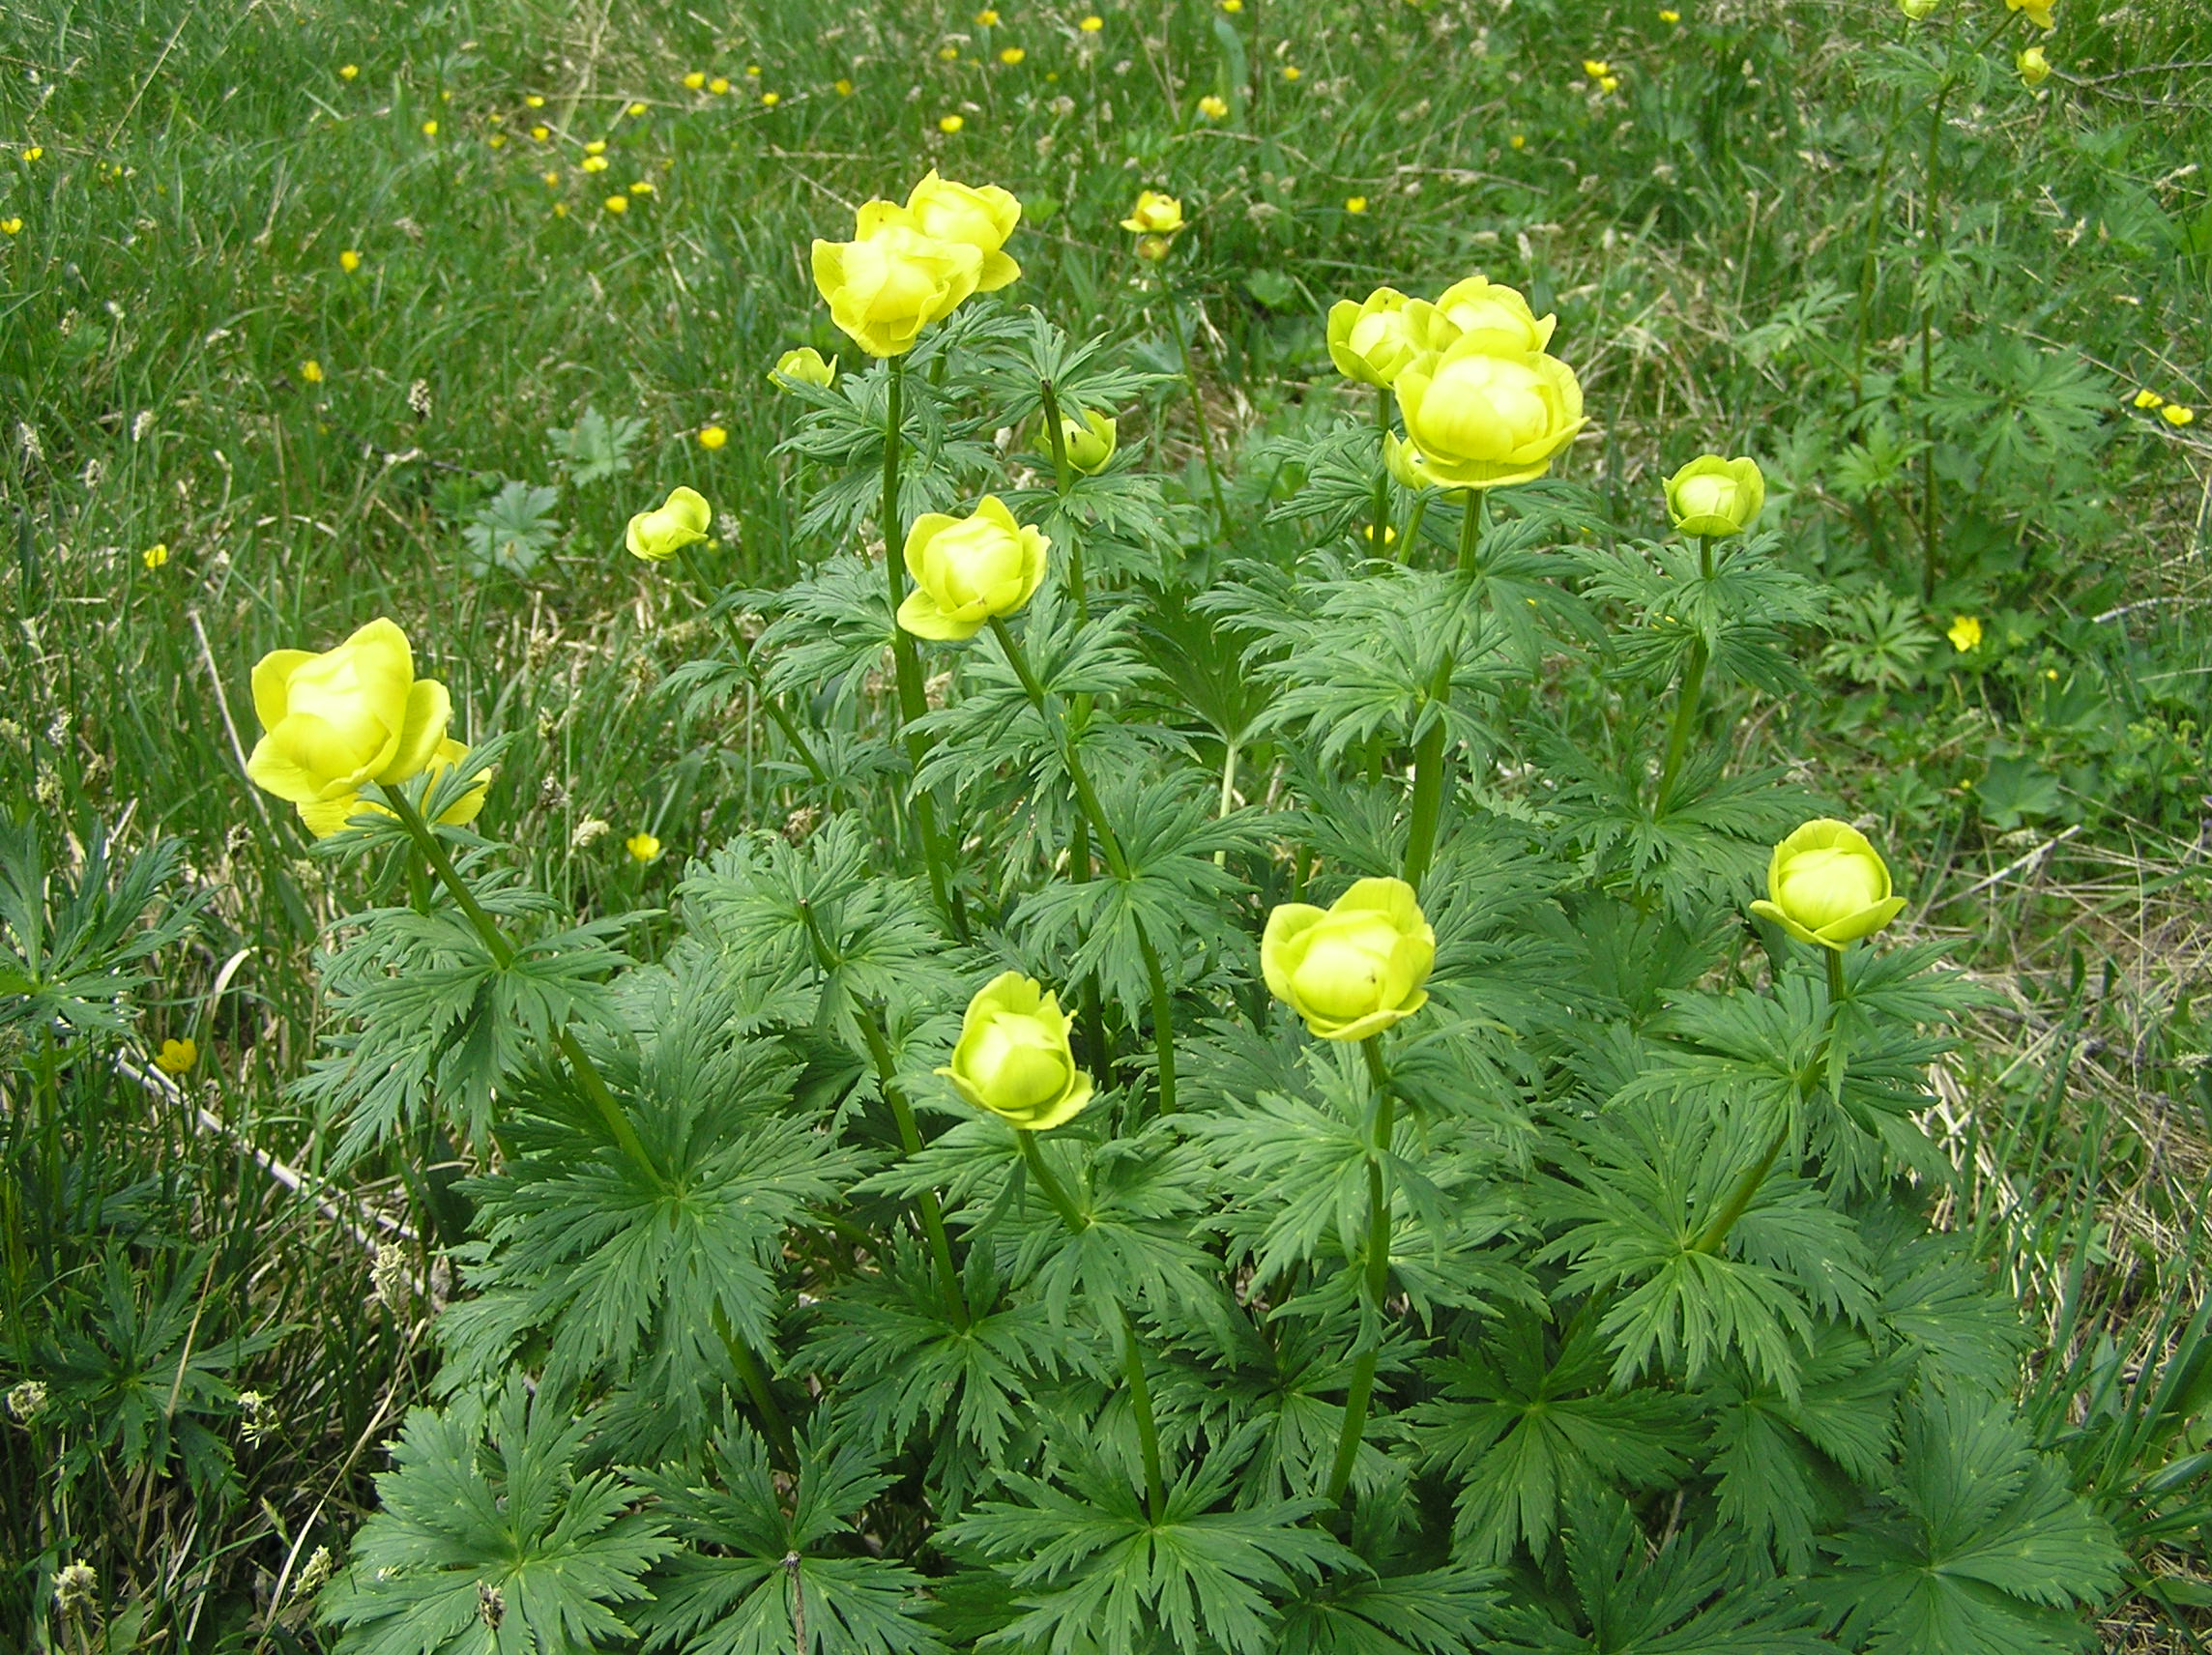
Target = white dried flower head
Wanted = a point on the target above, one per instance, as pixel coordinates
(141, 425)
(27, 439)
(388, 1275)
(27, 1400)
(418, 399)
(591, 828)
(74, 1589)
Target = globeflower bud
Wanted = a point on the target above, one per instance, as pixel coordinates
(337, 721)
(1154, 214)
(1498, 317)
(885, 287)
(1403, 461)
(2034, 67)
(1013, 1057)
(982, 218)
(1090, 444)
(1711, 497)
(805, 366)
(660, 535)
(1827, 884)
(1154, 250)
(968, 571)
(1480, 420)
(1369, 340)
(1917, 8)
(1354, 968)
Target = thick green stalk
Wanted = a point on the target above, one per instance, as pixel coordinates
(1429, 752)
(913, 699)
(755, 1381)
(1380, 531)
(1693, 687)
(1197, 403)
(739, 647)
(1362, 1387)
(909, 1140)
(1132, 1358)
(1163, 1005)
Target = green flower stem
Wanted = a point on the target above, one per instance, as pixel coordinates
(910, 1139)
(1086, 795)
(1747, 1187)
(1132, 1358)
(1362, 1387)
(913, 701)
(1197, 402)
(743, 651)
(587, 1073)
(1381, 514)
(1429, 754)
(1414, 518)
(755, 1381)
(1693, 688)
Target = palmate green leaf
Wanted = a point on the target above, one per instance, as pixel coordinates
(1093, 1571)
(1741, 611)
(1526, 1423)
(1442, 1612)
(1682, 1597)
(74, 947)
(484, 1542)
(1942, 1304)
(775, 1581)
(842, 431)
(1978, 1547)
(830, 633)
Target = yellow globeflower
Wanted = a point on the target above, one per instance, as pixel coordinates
(884, 288)
(1091, 442)
(1826, 885)
(337, 721)
(2038, 10)
(804, 364)
(969, 571)
(1481, 421)
(1711, 496)
(1374, 339)
(1154, 214)
(642, 846)
(658, 534)
(1965, 632)
(176, 1057)
(712, 437)
(1498, 318)
(1013, 1057)
(982, 218)
(1357, 967)
(2034, 67)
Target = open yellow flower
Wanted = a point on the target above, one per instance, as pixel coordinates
(1356, 967)
(1827, 884)
(176, 1056)
(968, 571)
(2038, 10)
(642, 846)
(680, 521)
(1711, 496)
(884, 288)
(1965, 632)
(1498, 318)
(982, 218)
(1481, 421)
(1154, 214)
(335, 722)
(1013, 1057)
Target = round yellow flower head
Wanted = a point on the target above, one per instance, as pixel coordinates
(1356, 204)
(1827, 884)
(2147, 399)
(842, 87)
(311, 371)
(429, 128)
(2038, 10)
(11, 227)
(1092, 24)
(2034, 67)
(987, 19)
(617, 203)
(1011, 56)
(659, 536)
(1357, 967)
(337, 721)
(1917, 10)
(1481, 421)
(1090, 441)
(884, 288)
(1154, 214)
(1498, 317)
(155, 555)
(1214, 106)
(2178, 414)
(176, 1056)
(1403, 461)
(535, 101)
(719, 85)
(804, 364)
(950, 123)
(1372, 341)
(1291, 71)
(1013, 1057)
(695, 81)
(968, 571)
(347, 70)
(1965, 632)
(980, 219)
(642, 846)
(1712, 496)
(712, 437)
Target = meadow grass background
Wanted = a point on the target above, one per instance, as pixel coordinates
(1737, 247)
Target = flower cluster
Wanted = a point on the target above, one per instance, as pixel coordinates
(909, 266)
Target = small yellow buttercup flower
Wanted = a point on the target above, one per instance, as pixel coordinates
(1965, 632)
(1482, 421)
(883, 289)
(2147, 400)
(1827, 886)
(1596, 69)
(349, 261)
(770, 100)
(337, 721)
(552, 179)
(560, 209)
(1291, 71)
(311, 371)
(641, 187)
(617, 203)
(538, 134)
(176, 1056)
(11, 227)
(35, 152)
(712, 437)
(1013, 1057)
(1609, 83)
(695, 80)
(752, 71)
(950, 124)
(1356, 968)
(1232, 7)
(2177, 414)
(1214, 106)
(347, 70)
(1374, 339)
(1669, 16)
(1519, 141)
(597, 146)
(1011, 55)
(969, 572)
(718, 86)
(1711, 496)
(1091, 442)
(498, 140)
(804, 364)
(1154, 214)
(1092, 24)
(2034, 67)
(2038, 10)
(842, 87)
(642, 846)
(535, 101)
(593, 163)
(635, 111)
(982, 218)
(155, 555)
(658, 534)
(1498, 318)
(429, 128)
(986, 19)
(1355, 203)
(949, 54)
